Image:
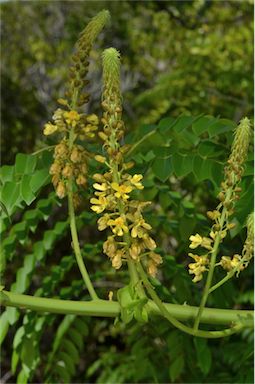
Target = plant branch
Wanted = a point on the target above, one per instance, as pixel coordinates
(105, 308)
(177, 323)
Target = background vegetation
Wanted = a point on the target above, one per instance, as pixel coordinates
(187, 80)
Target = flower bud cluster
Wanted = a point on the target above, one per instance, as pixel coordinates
(235, 166)
(79, 69)
(130, 238)
(68, 163)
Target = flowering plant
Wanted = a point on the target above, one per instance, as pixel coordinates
(108, 176)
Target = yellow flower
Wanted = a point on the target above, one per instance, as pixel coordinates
(213, 215)
(62, 101)
(99, 204)
(156, 258)
(67, 171)
(149, 243)
(140, 228)
(121, 190)
(152, 268)
(72, 117)
(98, 177)
(100, 159)
(92, 119)
(229, 264)
(81, 180)
(116, 260)
(198, 267)
(61, 190)
(76, 155)
(49, 129)
(55, 169)
(206, 243)
(195, 241)
(135, 180)
(135, 250)
(110, 246)
(119, 226)
(100, 187)
(103, 222)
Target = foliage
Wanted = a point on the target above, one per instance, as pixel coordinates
(182, 158)
(178, 57)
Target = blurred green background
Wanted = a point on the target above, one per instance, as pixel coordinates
(178, 57)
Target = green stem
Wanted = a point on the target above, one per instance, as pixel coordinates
(212, 265)
(222, 281)
(75, 240)
(106, 308)
(177, 323)
(208, 282)
(50, 147)
(76, 245)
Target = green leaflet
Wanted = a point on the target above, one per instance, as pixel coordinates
(162, 168)
(204, 357)
(175, 345)
(67, 347)
(22, 182)
(185, 147)
(23, 274)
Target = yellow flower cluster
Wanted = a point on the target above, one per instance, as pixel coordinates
(124, 217)
(229, 263)
(129, 239)
(198, 267)
(240, 262)
(84, 126)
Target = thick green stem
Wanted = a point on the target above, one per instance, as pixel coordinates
(212, 265)
(177, 323)
(106, 308)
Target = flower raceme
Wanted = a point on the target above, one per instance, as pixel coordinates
(70, 159)
(130, 238)
(123, 216)
(221, 216)
(238, 262)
